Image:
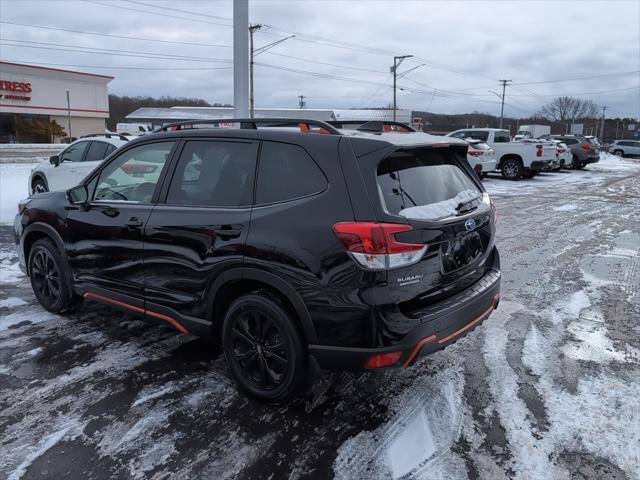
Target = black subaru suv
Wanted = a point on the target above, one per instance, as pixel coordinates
(296, 245)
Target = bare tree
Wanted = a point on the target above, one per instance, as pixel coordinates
(568, 108)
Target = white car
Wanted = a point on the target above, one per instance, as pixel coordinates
(481, 157)
(70, 166)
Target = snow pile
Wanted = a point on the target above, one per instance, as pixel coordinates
(438, 210)
(14, 179)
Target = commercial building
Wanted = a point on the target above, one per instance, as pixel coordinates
(156, 117)
(32, 97)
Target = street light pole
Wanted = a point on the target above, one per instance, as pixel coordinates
(397, 60)
(604, 109)
(69, 114)
(240, 58)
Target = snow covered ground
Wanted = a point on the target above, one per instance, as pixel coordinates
(14, 186)
(547, 388)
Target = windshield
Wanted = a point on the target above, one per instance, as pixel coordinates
(426, 183)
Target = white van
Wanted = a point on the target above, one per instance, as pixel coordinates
(133, 129)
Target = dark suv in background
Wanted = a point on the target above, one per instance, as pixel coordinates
(296, 245)
(583, 149)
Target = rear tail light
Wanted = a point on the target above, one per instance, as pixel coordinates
(373, 246)
(586, 146)
(539, 150)
(382, 360)
(494, 211)
(474, 153)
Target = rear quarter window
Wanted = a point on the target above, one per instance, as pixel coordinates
(287, 172)
(425, 183)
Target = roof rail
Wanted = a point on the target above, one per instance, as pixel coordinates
(376, 126)
(107, 135)
(304, 125)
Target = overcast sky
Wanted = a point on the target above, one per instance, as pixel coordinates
(464, 48)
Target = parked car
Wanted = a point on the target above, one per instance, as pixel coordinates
(296, 250)
(625, 147)
(514, 159)
(583, 151)
(481, 157)
(564, 156)
(69, 167)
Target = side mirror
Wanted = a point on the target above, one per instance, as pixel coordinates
(78, 195)
(54, 160)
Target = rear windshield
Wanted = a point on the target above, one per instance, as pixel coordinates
(427, 184)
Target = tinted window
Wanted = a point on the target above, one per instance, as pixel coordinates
(75, 152)
(214, 174)
(287, 172)
(570, 141)
(501, 137)
(96, 151)
(133, 175)
(422, 177)
(110, 150)
(478, 135)
(625, 144)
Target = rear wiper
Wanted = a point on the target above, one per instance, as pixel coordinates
(460, 208)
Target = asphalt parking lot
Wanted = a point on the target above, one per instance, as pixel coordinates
(547, 387)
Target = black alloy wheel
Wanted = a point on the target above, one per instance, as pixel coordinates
(48, 277)
(263, 348)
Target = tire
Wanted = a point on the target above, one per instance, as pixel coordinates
(263, 348)
(577, 164)
(620, 153)
(39, 186)
(511, 169)
(49, 277)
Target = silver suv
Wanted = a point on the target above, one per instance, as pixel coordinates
(625, 147)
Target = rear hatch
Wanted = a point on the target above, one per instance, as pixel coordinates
(433, 190)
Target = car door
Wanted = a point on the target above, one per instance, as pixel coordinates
(104, 238)
(200, 230)
(59, 177)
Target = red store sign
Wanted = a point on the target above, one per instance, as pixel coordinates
(15, 89)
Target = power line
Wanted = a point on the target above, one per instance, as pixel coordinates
(619, 74)
(113, 67)
(124, 37)
(107, 51)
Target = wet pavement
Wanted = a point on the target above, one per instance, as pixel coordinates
(547, 387)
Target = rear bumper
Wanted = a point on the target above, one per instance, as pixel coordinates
(592, 159)
(539, 164)
(458, 315)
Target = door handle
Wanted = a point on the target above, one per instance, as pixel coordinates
(227, 231)
(133, 223)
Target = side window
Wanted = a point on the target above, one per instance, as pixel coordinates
(96, 151)
(570, 141)
(133, 175)
(75, 152)
(110, 150)
(214, 174)
(287, 172)
(501, 137)
(484, 136)
(460, 135)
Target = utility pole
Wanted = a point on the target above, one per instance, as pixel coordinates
(604, 109)
(69, 113)
(241, 58)
(252, 53)
(504, 87)
(396, 63)
(301, 102)
(252, 30)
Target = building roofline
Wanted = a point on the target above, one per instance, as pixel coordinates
(2, 62)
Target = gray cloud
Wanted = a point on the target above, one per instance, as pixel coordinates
(523, 41)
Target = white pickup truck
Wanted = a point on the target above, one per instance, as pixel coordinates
(514, 159)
